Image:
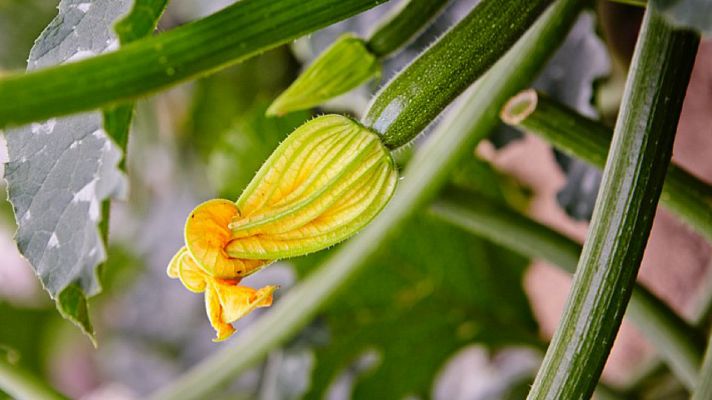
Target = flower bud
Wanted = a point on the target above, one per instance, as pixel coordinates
(324, 183)
(343, 66)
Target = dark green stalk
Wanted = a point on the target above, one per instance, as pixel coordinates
(474, 118)
(242, 30)
(704, 388)
(684, 195)
(624, 212)
(416, 96)
(21, 385)
(406, 22)
(679, 343)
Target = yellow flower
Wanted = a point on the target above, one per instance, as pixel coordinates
(324, 183)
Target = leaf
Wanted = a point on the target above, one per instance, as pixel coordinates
(695, 14)
(434, 290)
(61, 170)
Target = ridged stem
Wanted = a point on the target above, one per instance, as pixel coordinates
(624, 212)
(242, 30)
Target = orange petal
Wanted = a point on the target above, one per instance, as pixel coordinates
(207, 234)
(238, 301)
(212, 305)
(174, 266)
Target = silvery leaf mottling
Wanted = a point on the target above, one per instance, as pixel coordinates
(59, 171)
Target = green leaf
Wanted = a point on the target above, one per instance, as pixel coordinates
(694, 14)
(435, 289)
(189, 51)
(61, 170)
(72, 305)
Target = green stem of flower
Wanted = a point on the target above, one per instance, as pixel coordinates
(471, 121)
(624, 212)
(407, 21)
(22, 385)
(242, 30)
(683, 194)
(416, 96)
(679, 343)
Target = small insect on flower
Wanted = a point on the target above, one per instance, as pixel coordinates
(323, 184)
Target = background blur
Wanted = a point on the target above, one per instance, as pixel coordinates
(438, 306)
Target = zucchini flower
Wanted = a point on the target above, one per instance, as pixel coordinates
(343, 66)
(324, 183)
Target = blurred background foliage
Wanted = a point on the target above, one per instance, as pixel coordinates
(439, 313)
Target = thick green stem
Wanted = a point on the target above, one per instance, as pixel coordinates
(242, 30)
(475, 117)
(684, 195)
(416, 96)
(704, 388)
(624, 212)
(679, 343)
(22, 385)
(407, 21)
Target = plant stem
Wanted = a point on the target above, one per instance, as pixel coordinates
(472, 120)
(416, 96)
(407, 21)
(624, 212)
(242, 30)
(22, 385)
(678, 342)
(704, 388)
(683, 194)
